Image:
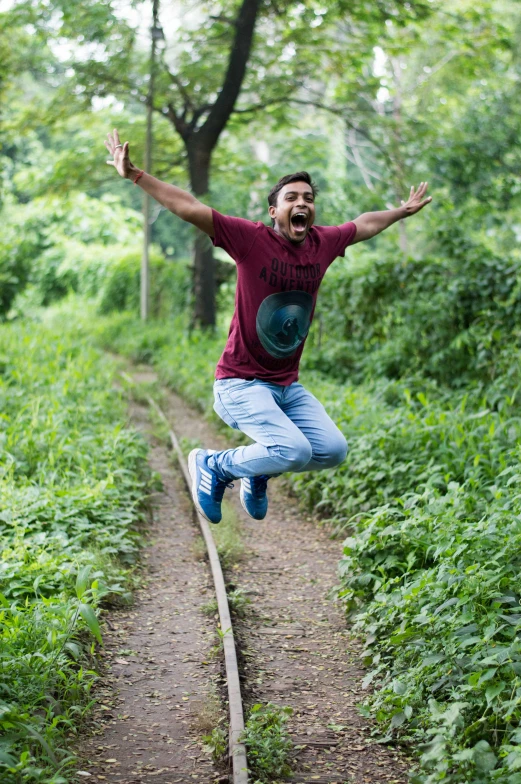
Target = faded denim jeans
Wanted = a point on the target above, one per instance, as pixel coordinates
(290, 428)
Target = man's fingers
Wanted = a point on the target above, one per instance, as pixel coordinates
(116, 137)
(111, 163)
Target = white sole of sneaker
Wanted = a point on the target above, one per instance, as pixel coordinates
(241, 496)
(243, 504)
(192, 470)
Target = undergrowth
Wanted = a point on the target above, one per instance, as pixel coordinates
(267, 741)
(72, 484)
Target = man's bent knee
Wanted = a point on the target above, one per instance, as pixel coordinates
(336, 452)
(295, 456)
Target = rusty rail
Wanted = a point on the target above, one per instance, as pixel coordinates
(237, 748)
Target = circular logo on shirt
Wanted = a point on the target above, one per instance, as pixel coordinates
(283, 322)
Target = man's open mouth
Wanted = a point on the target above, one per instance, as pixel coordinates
(299, 221)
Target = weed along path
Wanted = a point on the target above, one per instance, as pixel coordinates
(158, 696)
(294, 647)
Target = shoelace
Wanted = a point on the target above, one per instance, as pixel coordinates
(258, 485)
(218, 488)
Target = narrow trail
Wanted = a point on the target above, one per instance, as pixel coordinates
(161, 682)
(295, 649)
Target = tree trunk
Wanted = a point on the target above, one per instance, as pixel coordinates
(200, 141)
(204, 313)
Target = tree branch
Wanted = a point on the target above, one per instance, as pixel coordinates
(318, 105)
(357, 160)
(177, 121)
(221, 110)
(188, 105)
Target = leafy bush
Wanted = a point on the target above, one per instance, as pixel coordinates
(440, 591)
(430, 574)
(60, 244)
(169, 285)
(445, 316)
(16, 253)
(88, 246)
(72, 481)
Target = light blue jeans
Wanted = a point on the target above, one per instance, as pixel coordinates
(290, 427)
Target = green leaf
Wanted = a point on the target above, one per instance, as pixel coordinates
(6, 758)
(398, 719)
(41, 740)
(465, 642)
(89, 616)
(399, 687)
(82, 580)
(493, 691)
(484, 757)
(74, 648)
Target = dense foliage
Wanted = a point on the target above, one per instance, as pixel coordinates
(451, 318)
(72, 481)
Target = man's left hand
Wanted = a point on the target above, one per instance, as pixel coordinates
(416, 200)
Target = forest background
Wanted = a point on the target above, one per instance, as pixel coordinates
(414, 349)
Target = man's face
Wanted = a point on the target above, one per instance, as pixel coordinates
(294, 212)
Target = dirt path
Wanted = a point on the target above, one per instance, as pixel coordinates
(295, 646)
(159, 693)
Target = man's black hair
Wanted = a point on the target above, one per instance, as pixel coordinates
(301, 176)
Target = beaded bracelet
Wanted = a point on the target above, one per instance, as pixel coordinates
(139, 174)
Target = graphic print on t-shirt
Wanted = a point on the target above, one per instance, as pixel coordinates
(283, 322)
(264, 343)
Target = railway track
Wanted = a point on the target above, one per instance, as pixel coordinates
(237, 750)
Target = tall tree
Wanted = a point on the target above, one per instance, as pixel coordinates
(197, 92)
(200, 127)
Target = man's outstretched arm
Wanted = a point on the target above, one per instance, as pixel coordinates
(371, 223)
(178, 201)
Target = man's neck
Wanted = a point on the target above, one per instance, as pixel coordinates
(297, 243)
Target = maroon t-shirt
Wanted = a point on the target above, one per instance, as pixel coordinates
(277, 284)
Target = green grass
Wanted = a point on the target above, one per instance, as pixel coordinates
(228, 537)
(72, 484)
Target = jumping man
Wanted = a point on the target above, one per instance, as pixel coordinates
(279, 271)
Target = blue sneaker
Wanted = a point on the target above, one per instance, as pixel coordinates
(207, 487)
(254, 497)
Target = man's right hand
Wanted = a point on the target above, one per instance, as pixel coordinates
(119, 152)
(178, 201)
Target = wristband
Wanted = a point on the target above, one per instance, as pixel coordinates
(139, 174)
